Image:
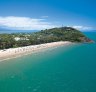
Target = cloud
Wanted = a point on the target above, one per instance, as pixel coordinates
(27, 23)
(24, 23)
(44, 16)
(83, 28)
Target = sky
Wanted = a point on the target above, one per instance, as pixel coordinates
(43, 14)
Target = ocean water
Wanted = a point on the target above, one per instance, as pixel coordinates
(62, 69)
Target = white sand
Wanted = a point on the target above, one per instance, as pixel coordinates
(15, 52)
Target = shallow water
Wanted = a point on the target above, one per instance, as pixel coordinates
(62, 69)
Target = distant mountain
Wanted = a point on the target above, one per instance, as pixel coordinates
(3, 30)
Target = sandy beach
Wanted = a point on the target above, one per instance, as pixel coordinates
(16, 52)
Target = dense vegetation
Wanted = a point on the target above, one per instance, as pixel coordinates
(43, 36)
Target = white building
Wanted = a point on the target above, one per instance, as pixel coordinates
(20, 38)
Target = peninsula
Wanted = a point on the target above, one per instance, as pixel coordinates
(17, 44)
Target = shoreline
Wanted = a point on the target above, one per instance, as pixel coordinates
(21, 51)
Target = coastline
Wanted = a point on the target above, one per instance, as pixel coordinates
(20, 51)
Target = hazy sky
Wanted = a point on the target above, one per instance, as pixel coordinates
(41, 14)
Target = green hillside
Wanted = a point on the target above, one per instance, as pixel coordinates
(43, 36)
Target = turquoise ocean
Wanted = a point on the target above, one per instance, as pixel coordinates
(61, 69)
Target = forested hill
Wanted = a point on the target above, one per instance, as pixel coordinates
(64, 34)
(43, 36)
